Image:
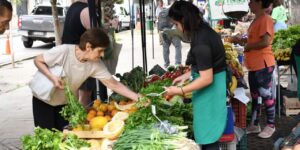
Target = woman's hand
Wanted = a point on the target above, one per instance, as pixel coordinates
(181, 79)
(173, 90)
(57, 82)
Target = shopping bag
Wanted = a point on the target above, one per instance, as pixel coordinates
(43, 88)
(112, 62)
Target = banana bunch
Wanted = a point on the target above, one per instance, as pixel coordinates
(236, 68)
(231, 55)
(233, 84)
(283, 54)
(228, 46)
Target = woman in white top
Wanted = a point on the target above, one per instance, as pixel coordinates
(80, 62)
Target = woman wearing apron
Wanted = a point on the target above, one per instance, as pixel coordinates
(207, 58)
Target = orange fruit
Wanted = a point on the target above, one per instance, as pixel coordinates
(122, 102)
(112, 102)
(96, 105)
(114, 112)
(111, 107)
(93, 112)
(100, 113)
(103, 107)
(97, 101)
(89, 117)
(108, 117)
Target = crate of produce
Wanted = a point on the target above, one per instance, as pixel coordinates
(240, 113)
(242, 144)
(291, 105)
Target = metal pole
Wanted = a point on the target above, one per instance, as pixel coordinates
(143, 34)
(152, 9)
(131, 28)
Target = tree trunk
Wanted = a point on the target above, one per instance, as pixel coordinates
(295, 12)
(56, 23)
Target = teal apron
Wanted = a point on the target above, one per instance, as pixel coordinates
(209, 110)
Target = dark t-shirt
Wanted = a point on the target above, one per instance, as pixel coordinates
(73, 27)
(207, 51)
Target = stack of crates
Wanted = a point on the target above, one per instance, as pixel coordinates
(240, 114)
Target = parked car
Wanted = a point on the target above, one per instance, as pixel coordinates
(39, 24)
(123, 18)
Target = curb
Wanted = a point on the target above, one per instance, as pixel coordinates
(19, 60)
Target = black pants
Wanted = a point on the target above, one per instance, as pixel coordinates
(47, 116)
(213, 146)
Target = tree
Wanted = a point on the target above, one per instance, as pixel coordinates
(56, 22)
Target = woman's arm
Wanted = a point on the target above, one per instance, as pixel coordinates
(264, 42)
(120, 88)
(42, 67)
(205, 80)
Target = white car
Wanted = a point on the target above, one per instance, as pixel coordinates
(123, 18)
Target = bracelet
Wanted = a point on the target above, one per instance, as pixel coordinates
(182, 91)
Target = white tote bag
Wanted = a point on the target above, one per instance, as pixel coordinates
(43, 88)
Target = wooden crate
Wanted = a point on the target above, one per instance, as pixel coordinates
(291, 106)
(86, 134)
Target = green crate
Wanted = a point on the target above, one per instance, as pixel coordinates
(242, 144)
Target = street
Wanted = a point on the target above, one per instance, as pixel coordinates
(15, 96)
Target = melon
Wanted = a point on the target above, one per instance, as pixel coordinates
(113, 129)
(124, 107)
(120, 116)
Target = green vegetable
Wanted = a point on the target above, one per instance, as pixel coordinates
(74, 112)
(147, 139)
(286, 38)
(45, 139)
(134, 80)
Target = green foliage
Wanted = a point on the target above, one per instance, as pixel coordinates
(45, 139)
(74, 112)
(286, 38)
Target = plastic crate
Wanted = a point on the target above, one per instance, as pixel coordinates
(240, 113)
(242, 144)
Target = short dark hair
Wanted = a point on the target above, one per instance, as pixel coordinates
(277, 3)
(96, 37)
(265, 3)
(5, 4)
(188, 15)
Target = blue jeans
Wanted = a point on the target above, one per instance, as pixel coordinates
(279, 26)
(166, 49)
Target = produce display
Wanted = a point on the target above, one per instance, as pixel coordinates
(283, 41)
(235, 68)
(44, 139)
(123, 124)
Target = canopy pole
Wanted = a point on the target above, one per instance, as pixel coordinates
(143, 34)
(152, 32)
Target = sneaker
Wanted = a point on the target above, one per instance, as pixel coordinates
(253, 129)
(267, 132)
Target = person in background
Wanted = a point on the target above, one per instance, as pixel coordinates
(80, 62)
(5, 15)
(279, 16)
(165, 25)
(207, 59)
(260, 62)
(76, 23)
(159, 8)
(269, 9)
